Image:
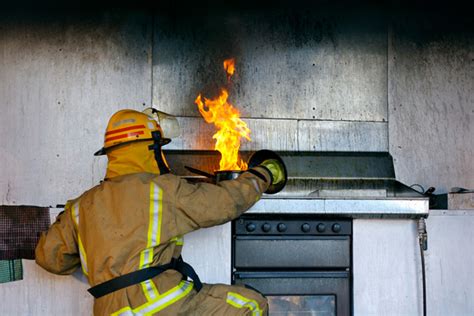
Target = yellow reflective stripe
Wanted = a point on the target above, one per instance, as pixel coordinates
(126, 311)
(154, 228)
(153, 237)
(150, 290)
(82, 252)
(166, 299)
(82, 255)
(179, 240)
(75, 214)
(240, 301)
(160, 303)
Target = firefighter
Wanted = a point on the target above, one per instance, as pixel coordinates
(126, 233)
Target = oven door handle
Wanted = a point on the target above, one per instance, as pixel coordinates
(260, 237)
(292, 274)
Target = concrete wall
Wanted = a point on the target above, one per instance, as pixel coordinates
(308, 80)
(431, 100)
(62, 75)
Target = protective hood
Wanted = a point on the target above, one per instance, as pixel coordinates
(130, 158)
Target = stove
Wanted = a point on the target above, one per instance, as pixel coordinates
(302, 264)
(295, 246)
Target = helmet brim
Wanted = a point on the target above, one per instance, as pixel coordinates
(100, 152)
(103, 150)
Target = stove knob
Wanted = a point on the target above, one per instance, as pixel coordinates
(305, 227)
(281, 227)
(321, 228)
(250, 227)
(336, 228)
(266, 227)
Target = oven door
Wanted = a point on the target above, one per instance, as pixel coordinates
(312, 293)
(290, 252)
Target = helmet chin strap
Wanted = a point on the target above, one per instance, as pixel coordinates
(156, 147)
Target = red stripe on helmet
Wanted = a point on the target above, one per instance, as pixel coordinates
(124, 129)
(123, 136)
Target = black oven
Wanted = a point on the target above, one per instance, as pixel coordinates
(302, 264)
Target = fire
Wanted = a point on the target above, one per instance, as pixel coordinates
(229, 66)
(230, 128)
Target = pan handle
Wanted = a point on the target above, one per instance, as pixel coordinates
(200, 172)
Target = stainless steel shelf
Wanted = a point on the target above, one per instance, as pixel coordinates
(348, 207)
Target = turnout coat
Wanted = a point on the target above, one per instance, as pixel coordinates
(134, 221)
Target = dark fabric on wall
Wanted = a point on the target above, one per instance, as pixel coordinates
(11, 270)
(20, 227)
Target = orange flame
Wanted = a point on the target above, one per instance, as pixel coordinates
(230, 128)
(229, 66)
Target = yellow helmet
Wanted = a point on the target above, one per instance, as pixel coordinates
(127, 126)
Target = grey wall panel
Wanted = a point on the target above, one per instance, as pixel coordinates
(304, 65)
(449, 262)
(62, 77)
(269, 134)
(42, 293)
(387, 268)
(208, 252)
(342, 136)
(431, 98)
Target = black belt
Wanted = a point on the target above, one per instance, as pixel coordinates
(145, 274)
